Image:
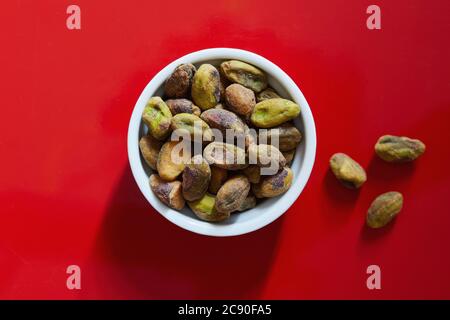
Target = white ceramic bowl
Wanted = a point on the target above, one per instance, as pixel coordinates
(268, 210)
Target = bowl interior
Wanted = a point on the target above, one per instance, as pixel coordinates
(269, 209)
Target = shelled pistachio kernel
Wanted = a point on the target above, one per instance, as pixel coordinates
(347, 170)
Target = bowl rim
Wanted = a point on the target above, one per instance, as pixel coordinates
(207, 228)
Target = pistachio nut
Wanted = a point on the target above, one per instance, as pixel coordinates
(240, 99)
(272, 186)
(244, 74)
(287, 136)
(248, 203)
(265, 155)
(171, 160)
(222, 120)
(223, 84)
(251, 136)
(168, 192)
(399, 149)
(150, 147)
(193, 125)
(157, 117)
(226, 156)
(273, 112)
(266, 94)
(178, 85)
(289, 156)
(205, 87)
(232, 194)
(204, 208)
(218, 178)
(253, 173)
(177, 106)
(196, 177)
(384, 208)
(347, 170)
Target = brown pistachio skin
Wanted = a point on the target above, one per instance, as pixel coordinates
(289, 156)
(218, 178)
(251, 137)
(178, 85)
(347, 170)
(383, 209)
(266, 94)
(150, 148)
(222, 120)
(177, 106)
(289, 137)
(248, 203)
(265, 155)
(223, 84)
(253, 173)
(272, 186)
(226, 156)
(232, 194)
(168, 192)
(169, 168)
(399, 149)
(196, 177)
(240, 99)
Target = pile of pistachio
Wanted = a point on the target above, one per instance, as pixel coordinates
(391, 149)
(233, 97)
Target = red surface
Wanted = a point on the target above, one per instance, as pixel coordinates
(67, 195)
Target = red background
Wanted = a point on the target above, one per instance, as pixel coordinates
(67, 195)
